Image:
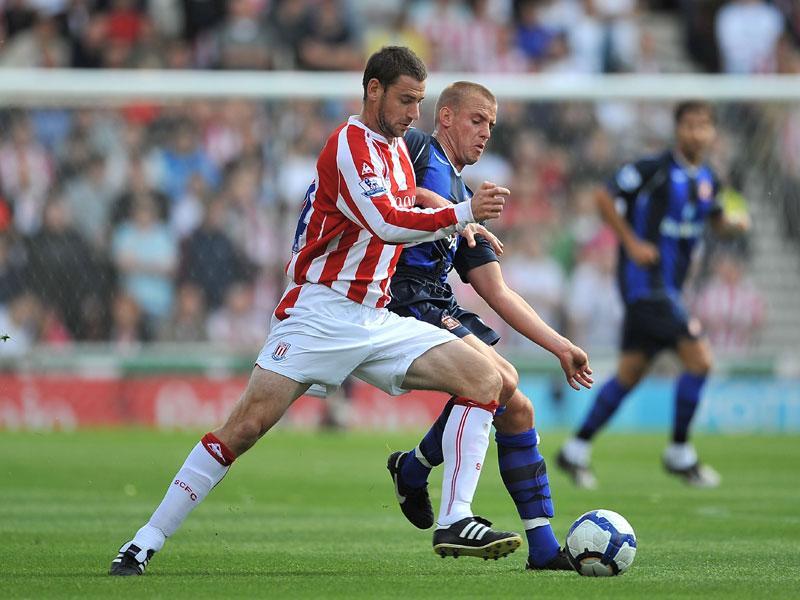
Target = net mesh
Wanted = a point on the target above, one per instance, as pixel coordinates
(149, 222)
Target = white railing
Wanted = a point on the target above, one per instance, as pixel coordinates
(19, 87)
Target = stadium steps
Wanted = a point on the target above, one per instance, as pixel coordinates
(775, 270)
(668, 36)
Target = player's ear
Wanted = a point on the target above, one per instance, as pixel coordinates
(446, 116)
(374, 89)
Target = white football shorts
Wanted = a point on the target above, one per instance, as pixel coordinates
(327, 337)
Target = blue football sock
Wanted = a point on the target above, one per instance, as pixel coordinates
(687, 398)
(605, 405)
(414, 472)
(524, 474)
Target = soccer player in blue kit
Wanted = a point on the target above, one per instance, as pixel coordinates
(465, 115)
(658, 208)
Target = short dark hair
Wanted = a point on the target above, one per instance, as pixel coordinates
(391, 62)
(689, 106)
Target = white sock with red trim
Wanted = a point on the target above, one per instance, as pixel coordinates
(464, 444)
(205, 466)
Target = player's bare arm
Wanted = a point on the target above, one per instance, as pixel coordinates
(488, 281)
(641, 251)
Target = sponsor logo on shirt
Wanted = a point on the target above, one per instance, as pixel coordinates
(372, 186)
(704, 191)
(405, 200)
(367, 170)
(680, 230)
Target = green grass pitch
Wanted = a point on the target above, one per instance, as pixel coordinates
(313, 515)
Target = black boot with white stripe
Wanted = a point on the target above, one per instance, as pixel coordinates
(474, 536)
(131, 560)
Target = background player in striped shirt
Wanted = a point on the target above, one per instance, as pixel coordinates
(658, 207)
(332, 319)
(465, 115)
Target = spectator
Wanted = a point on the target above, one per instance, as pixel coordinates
(747, 33)
(12, 282)
(128, 326)
(730, 307)
(210, 259)
(241, 41)
(536, 276)
(40, 46)
(25, 174)
(481, 35)
(60, 268)
(90, 196)
(533, 37)
(620, 33)
(21, 321)
(398, 32)
(188, 321)
(172, 167)
(442, 23)
(331, 41)
(593, 305)
(145, 254)
(238, 324)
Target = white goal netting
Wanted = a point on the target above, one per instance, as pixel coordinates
(138, 208)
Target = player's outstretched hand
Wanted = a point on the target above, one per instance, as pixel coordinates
(575, 363)
(488, 201)
(643, 253)
(472, 229)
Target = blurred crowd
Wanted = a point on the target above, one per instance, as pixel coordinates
(173, 223)
(586, 36)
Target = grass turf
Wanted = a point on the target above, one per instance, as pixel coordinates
(313, 515)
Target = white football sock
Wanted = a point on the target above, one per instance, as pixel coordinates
(578, 451)
(189, 487)
(464, 444)
(680, 456)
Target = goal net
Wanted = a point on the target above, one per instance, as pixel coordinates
(155, 210)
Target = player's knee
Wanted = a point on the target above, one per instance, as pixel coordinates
(703, 366)
(510, 381)
(488, 387)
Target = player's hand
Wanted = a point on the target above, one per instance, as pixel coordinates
(575, 363)
(428, 199)
(471, 230)
(488, 201)
(643, 253)
(739, 224)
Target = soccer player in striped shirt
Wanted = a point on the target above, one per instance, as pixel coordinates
(332, 320)
(465, 115)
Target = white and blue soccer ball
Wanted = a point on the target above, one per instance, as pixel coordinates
(601, 543)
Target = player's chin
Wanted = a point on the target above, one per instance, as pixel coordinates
(400, 129)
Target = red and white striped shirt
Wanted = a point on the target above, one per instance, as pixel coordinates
(357, 214)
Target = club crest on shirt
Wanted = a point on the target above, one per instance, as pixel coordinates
(372, 186)
(704, 191)
(450, 323)
(280, 351)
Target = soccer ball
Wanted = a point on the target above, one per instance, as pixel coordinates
(601, 543)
